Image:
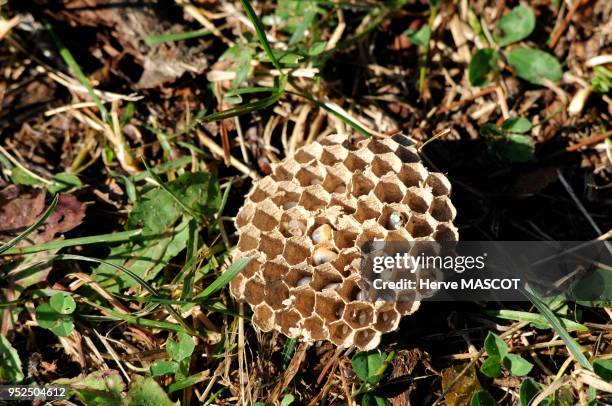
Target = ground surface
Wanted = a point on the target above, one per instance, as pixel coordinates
(103, 101)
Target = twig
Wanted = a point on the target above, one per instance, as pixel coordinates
(565, 23)
(589, 141)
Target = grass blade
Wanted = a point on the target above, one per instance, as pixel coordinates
(5, 247)
(177, 36)
(58, 244)
(261, 34)
(556, 324)
(74, 66)
(225, 278)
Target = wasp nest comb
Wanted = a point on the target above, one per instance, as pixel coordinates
(305, 225)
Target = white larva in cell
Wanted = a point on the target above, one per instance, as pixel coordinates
(321, 234)
(323, 255)
(305, 280)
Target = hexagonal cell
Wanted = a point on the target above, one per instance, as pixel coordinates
(366, 339)
(310, 175)
(345, 238)
(263, 317)
(418, 199)
(353, 142)
(286, 170)
(275, 293)
(339, 332)
(265, 188)
(403, 140)
(315, 328)
(347, 202)
(253, 266)
(297, 249)
(237, 285)
(413, 174)
(254, 291)
(382, 145)
(361, 184)
(446, 232)
(308, 153)
(321, 231)
(271, 244)
(249, 238)
(398, 236)
(333, 154)
(245, 215)
(440, 185)
(368, 207)
(333, 139)
(345, 258)
(387, 319)
(385, 163)
(329, 307)
(390, 189)
(371, 231)
(287, 195)
(358, 315)
(274, 270)
(420, 225)
(298, 276)
(266, 216)
(358, 160)
(337, 179)
(407, 304)
(442, 209)
(326, 277)
(304, 301)
(289, 322)
(393, 217)
(314, 198)
(293, 222)
(407, 155)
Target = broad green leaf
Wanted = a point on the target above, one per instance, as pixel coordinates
(10, 364)
(287, 400)
(147, 392)
(62, 303)
(63, 182)
(482, 398)
(46, 316)
(63, 328)
(21, 177)
(164, 367)
(495, 346)
(100, 388)
(370, 399)
(516, 125)
(482, 66)
(421, 37)
(317, 48)
(517, 365)
(593, 289)
(491, 367)
(514, 147)
(529, 390)
(181, 349)
(534, 65)
(518, 24)
(603, 368)
(290, 59)
(366, 364)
